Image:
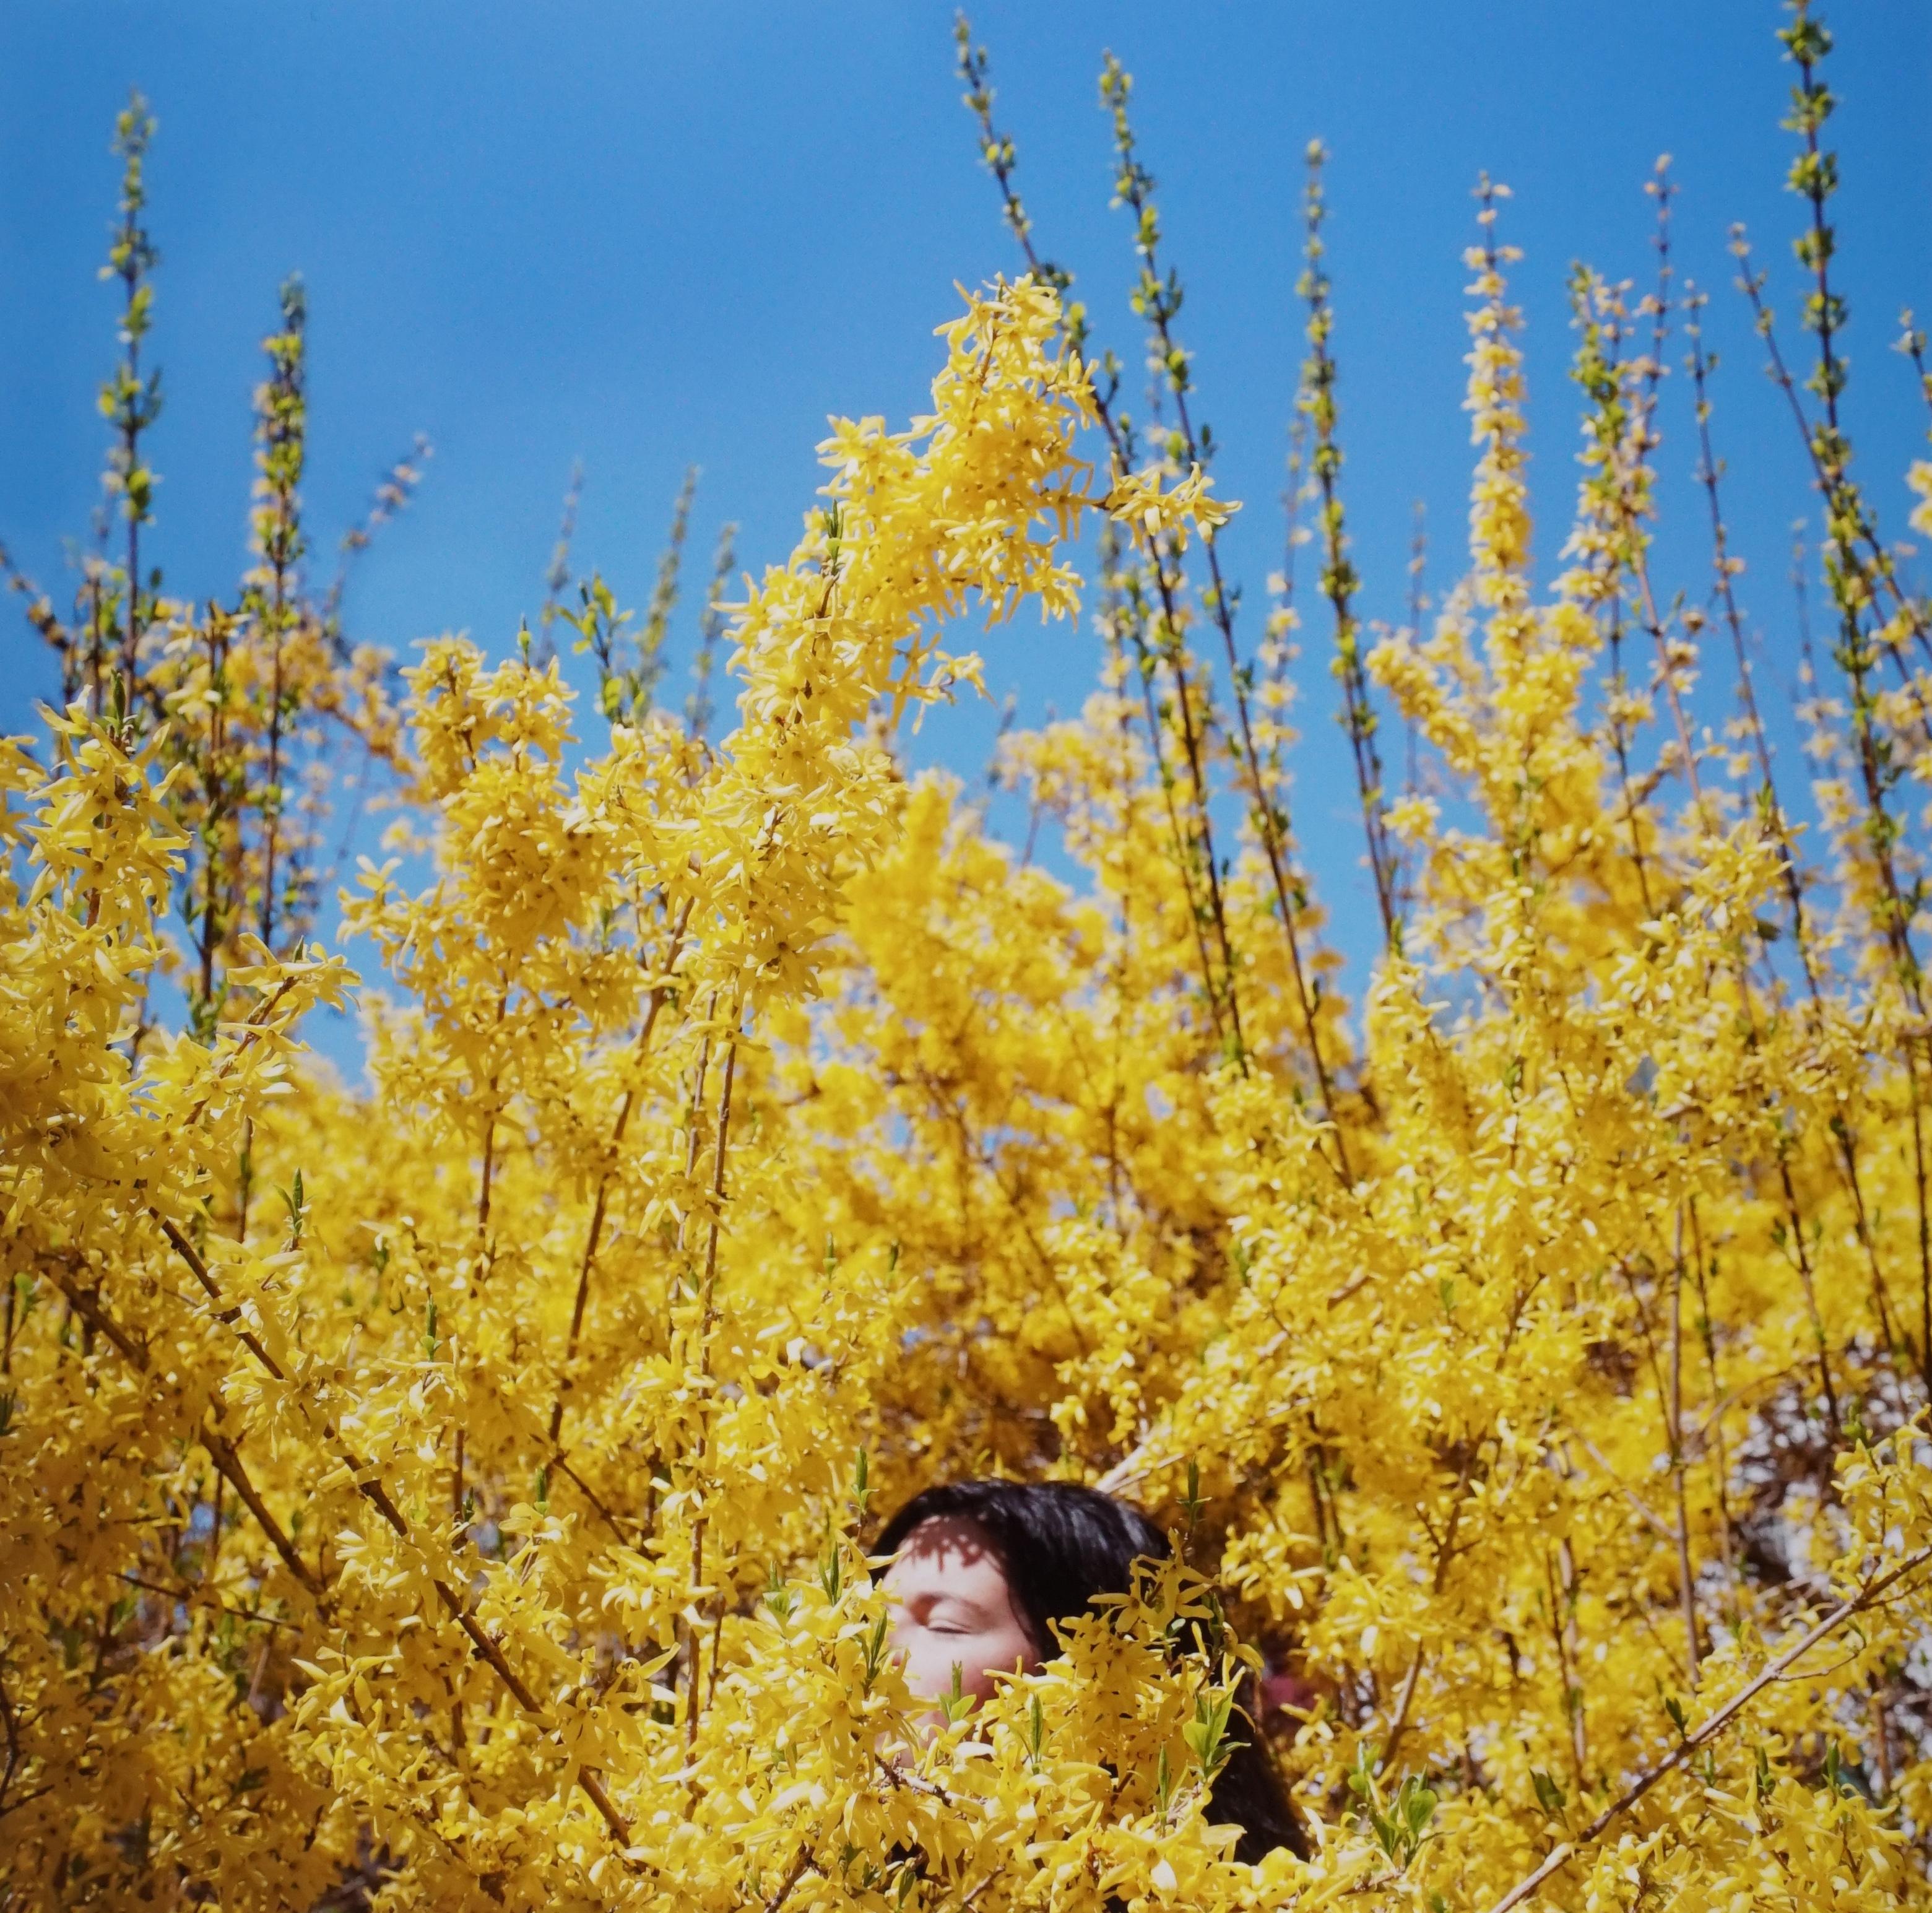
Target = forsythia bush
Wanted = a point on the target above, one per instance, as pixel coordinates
(456, 1491)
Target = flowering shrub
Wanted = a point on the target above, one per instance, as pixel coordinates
(456, 1491)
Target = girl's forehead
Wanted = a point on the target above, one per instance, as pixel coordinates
(953, 1545)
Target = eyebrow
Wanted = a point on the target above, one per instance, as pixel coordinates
(960, 1606)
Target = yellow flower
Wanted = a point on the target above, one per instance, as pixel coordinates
(1138, 499)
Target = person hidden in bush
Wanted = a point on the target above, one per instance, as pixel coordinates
(982, 1570)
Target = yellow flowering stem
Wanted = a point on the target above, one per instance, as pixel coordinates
(1770, 810)
(1605, 509)
(1772, 819)
(593, 1235)
(698, 709)
(1712, 1726)
(1191, 743)
(706, 1320)
(997, 154)
(710, 1313)
(207, 1010)
(1157, 301)
(1716, 1450)
(488, 1651)
(370, 1486)
(221, 1450)
(1133, 187)
(1445, 1554)
(131, 402)
(1270, 812)
(1636, 500)
(1183, 862)
(557, 578)
(973, 1149)
(491, 1110)
(1687, 1578)
(1803, 1262)
(1724, 569)
(1814, 177)
(650, 640)
(1841, 495)
(1579, 1748)
(281, 433)
(996, 151)
(1272, 827)
(1316, 400)
(1844, 504)
(257, 1022)
(1852, 579)
(978, 1893)
(231, 1313)
(1134, 599)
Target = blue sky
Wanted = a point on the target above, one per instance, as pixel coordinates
(648, 236)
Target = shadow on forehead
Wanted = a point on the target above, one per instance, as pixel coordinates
(941, 1538)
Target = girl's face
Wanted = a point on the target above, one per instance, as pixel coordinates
(952, 1608)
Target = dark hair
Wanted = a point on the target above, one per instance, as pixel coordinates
(1060, 1545)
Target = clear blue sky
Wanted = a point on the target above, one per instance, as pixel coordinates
(650, 235)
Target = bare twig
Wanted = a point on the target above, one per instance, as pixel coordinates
(1708, 1728)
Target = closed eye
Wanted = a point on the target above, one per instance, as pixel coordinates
(949, 1617)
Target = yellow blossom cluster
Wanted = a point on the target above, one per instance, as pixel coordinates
(455, 1492)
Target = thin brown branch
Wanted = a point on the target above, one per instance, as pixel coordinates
(1686, 1579)
(200, 1597)
(1710, 1726)
(227, 1312)
(594, 1235)
(707, 1321)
